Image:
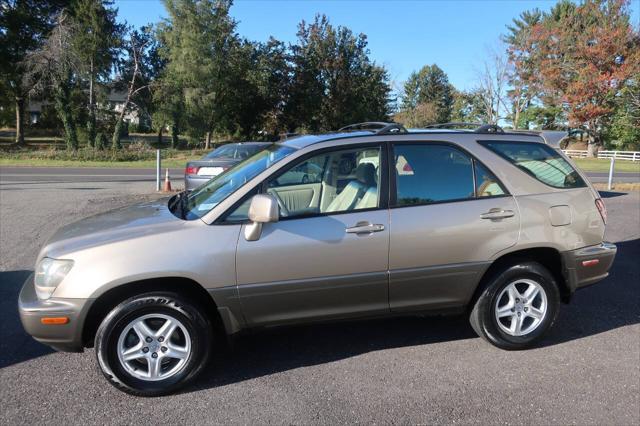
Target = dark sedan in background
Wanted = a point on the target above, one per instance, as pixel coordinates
(217, 161)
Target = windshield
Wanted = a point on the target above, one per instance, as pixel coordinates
(199, 202)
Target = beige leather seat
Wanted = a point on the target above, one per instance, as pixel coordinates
(356, 190)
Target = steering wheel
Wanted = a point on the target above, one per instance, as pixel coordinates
(284, 212)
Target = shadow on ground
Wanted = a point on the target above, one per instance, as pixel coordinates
(603, 307)
(15, 345)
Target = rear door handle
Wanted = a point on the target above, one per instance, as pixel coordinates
(365, 228)
(497, 214)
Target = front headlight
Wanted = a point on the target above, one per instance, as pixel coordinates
(50, 273)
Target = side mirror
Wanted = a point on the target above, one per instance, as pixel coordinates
(263, 209)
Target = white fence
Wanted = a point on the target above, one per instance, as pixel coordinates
(621, 155)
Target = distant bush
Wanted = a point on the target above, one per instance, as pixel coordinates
(136, 151)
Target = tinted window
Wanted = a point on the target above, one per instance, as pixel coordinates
(540, 161)
(487, 184)
(432, 173)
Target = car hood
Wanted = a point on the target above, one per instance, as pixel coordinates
(129, 222)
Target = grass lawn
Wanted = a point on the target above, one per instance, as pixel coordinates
(603, 164)
(143, 164)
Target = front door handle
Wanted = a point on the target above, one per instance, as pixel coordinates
(365, 228)
(494, 214)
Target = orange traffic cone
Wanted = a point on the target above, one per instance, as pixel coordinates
(167, 183)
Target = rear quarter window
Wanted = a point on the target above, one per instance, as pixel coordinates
(538, 160)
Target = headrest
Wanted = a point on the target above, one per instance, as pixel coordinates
(366, 173)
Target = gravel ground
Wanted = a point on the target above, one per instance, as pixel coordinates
(404, 370)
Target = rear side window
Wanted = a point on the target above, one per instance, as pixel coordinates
(538, 160)
(432, 173)
(487, 184)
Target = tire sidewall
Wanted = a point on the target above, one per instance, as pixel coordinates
(489, 299)
(106, 343)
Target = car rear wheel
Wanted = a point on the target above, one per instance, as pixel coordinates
(153, 344)
(517, 306)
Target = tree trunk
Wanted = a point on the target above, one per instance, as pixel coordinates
(64, 112)
(160, 129)
(117, 130)
(207, 141)
(19, 121)
(517, 118)
(593, 146)
(91, 121)
(174, 136)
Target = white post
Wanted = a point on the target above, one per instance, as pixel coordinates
(613, 163)
(158, 170)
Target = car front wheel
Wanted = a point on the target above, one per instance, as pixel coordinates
(153, 344)
(517, 306)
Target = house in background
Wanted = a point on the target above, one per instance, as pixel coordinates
(115, 101)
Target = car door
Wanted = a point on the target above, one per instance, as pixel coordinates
(449, 216)
(326, 257)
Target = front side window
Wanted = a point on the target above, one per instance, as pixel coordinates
(199, 202)
(331, 182)
(539, 161)
(432, 173)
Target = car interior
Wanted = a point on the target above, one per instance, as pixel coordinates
(331, 182)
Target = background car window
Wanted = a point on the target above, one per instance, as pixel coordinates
(487, 184)
(540, 161)
(432, 173)
(309, 171)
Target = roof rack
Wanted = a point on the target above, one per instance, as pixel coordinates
(478, 127)
(377, 127)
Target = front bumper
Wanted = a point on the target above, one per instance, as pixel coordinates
(588, 265)
(64, 337)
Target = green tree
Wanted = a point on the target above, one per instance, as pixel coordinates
(468, 107)
(430, 85)
(334, 82)
(202, 49)
(24, 25)
(624, 129)
(96, 42)
(53, 68)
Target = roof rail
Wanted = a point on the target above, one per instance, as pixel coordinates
(478, 127)
(451, 125)
(378, 127)
(489, 128)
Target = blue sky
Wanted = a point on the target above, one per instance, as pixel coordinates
(403, 35)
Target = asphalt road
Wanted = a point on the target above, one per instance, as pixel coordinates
(404, 370)
(81, 174)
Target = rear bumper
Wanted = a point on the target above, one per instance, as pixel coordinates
(65, 337)
(588, 265)
(191, 182)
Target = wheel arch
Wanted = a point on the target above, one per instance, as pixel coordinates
(548, 257)
(185, 287)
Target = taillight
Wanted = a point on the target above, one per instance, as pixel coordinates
(602, 209)
(191, 170)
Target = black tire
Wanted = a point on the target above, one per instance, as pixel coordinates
(483, 316)
(164, 303)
